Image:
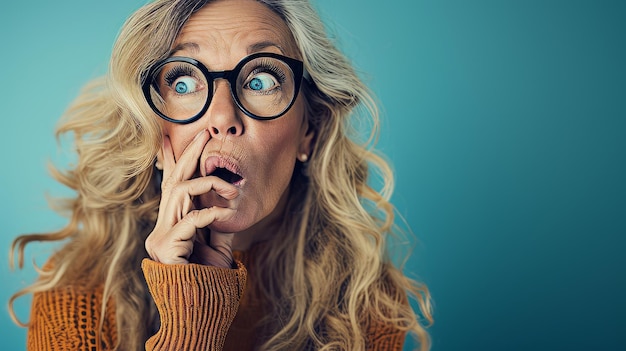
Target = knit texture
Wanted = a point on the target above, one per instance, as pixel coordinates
(194, 315)
(200, 307)
(69, 319)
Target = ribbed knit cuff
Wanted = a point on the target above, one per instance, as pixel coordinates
(196, 303)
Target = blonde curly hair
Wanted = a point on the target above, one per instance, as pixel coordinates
(337, 233)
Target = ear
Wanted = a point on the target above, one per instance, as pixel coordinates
(306, 144)
(159, 160)
(158, 164)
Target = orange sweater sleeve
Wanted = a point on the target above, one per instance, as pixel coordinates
(196, 303)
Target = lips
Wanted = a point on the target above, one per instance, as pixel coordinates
(224, 169)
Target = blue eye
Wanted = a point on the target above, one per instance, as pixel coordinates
(185, 85)
(262, 82)
(181, 87)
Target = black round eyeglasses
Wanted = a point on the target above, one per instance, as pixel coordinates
(263, 85)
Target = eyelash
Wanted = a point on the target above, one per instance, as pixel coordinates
(177, 72)
(271, 69)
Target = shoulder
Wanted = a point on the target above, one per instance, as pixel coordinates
(70, 318)
(389, 317)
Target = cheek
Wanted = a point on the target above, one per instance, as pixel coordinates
(285, 141)
(281, 154)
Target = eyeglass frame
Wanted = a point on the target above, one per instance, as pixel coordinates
(296, 66)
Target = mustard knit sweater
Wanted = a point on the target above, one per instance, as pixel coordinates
(201, 308)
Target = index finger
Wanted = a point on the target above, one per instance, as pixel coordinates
(187, 163)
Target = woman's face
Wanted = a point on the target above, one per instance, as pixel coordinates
(264, 153)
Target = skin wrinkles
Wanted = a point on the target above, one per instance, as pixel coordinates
(194, 48)
(235, 28)
(219, 35)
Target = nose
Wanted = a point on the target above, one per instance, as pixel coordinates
(223, 114)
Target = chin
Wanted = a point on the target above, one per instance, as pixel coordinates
(226, 227)
(234, 225)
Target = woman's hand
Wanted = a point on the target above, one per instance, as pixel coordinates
(178, 234)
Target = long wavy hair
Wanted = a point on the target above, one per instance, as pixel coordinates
(335, 233)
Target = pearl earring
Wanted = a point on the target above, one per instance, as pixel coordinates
(304, 157)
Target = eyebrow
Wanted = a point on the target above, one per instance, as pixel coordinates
(256, 47)
(193, 47)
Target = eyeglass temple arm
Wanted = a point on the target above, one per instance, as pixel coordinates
(306, 75)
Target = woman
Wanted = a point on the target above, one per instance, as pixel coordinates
(216, 156)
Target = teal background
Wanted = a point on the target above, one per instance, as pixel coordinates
(505, 122)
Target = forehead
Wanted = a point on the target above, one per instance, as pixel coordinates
(231, 29)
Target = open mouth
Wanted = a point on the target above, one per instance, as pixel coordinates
(224, 169)
(226, 175)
